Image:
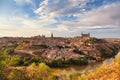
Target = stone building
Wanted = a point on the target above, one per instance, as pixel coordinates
(85, 35)
(51, 35)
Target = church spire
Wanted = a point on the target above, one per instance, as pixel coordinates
(51, 35)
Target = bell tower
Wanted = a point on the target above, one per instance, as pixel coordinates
(52, 35)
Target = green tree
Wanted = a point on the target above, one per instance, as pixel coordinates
(16, 61)
(79, 61)
(33, 72)
(57, 63)
(4, 61)
(17, 74)
(77, 51)
(2, 72)
(44, 71)
(40, 72)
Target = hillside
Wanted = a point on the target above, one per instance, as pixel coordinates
(104, 72)
(28, 57)
(77, 50)
(60, 52)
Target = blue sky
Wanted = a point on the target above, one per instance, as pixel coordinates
(64, 18)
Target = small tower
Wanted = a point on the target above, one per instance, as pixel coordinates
(51, 35)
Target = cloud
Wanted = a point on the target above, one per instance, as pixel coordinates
(69, 18)
(103, 16)
(22, 26)
(21, 2)
(58, 8)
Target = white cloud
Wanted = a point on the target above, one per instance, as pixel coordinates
(55, 8)
(105, 17)
(108, 15)
(21, 2)
(21, 26)
(62, 28)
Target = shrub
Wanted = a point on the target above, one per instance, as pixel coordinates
(78, 51)
(41, 46)
(17, 74)
(16, 61)
(56, 63)
(40, 72)
(79, 61)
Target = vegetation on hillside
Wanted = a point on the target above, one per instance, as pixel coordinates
(34, 68)
(104, 72)
(37, 67)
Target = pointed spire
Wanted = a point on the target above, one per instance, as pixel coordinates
(51, 35)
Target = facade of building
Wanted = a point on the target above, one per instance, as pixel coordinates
(85, 35)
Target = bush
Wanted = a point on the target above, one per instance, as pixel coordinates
(79, 61)
(91, 57)
(60, 47)
(78, 51)
(17, 74)
(41, 46)
(36, 60)
(57, 63)
(17, 61)
(40, 72)
(104, 54)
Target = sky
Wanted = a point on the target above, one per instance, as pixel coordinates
(63, 18)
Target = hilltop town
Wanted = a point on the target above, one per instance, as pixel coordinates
(84, 47)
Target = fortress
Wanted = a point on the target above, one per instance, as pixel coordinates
(85, 35)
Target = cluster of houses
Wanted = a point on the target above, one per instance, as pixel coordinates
(58, 47)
